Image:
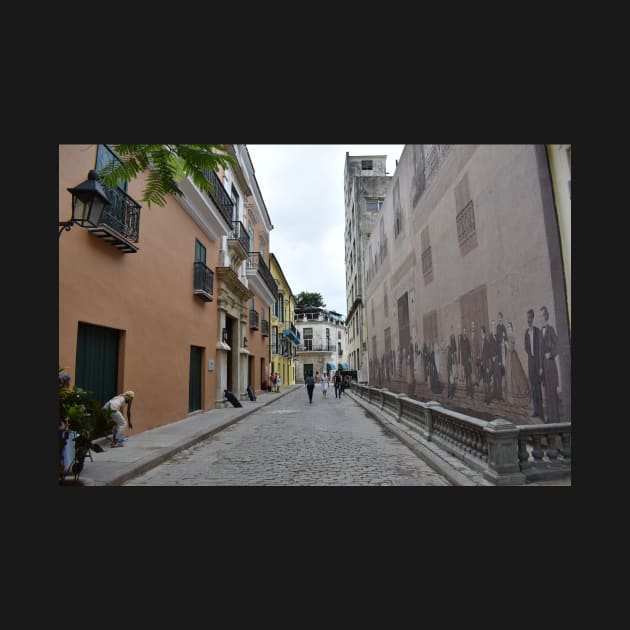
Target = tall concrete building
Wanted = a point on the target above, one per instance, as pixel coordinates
(366, 184)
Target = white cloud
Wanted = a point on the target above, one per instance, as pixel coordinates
(302, 186)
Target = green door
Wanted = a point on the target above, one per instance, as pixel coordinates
(194, 387)
(97, 361)
(308, 370)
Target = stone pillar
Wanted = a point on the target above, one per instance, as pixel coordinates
(503, 464)
(430, 405)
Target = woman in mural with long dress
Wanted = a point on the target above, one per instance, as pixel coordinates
(516, 382)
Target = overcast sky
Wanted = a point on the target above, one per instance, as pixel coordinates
(302, 185)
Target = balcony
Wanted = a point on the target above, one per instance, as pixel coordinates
(309, 346)
(253, 319)
(238, 241)
(120, 221)
(220, 197)
(203, 282)
(260, 278)
(264, 330)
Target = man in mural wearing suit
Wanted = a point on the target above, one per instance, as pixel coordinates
(497, 363)
(466, 361)
(534, 365)
(502, 340)
(475, 346)
(486, 363)
(549, 371)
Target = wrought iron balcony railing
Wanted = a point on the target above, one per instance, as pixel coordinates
(220, 197)
(319, 347)
(239, 233)
(264, 328)
(253, 319)
(122, 213)
(256, 261)
(203, 282)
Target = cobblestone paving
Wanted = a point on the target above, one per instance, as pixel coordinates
(331, 442)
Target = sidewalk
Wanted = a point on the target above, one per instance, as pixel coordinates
(148, 449)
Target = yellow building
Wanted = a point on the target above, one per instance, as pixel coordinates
(284, 336)
(560, 166)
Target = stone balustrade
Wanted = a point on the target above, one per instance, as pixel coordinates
(506, 454)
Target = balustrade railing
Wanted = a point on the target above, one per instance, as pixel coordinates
(504, 452)
(122, 213)
(256, 261)
(240, 234)
(219, 195)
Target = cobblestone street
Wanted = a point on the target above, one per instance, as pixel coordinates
(331, 442)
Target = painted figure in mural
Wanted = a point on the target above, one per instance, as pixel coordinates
(517, 387)
(534, 363)
(475, 346)
(549, 371)
(486, 363)
(403, 363)
(466, 362)
(502, 337)
(411, 372)
(434, 374)
(461, 376)
(425, 362)
(451, 366)
(502, 341)
(452, 348)
(497, 365)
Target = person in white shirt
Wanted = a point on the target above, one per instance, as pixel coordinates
(116, 405)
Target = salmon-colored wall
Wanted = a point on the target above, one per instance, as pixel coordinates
(147, 294)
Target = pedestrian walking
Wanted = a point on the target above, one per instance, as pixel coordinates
(338, 384)
(116, 405)
(324, 384)
(310, 386)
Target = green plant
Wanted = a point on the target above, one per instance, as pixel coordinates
(166, 164)
(85, 417)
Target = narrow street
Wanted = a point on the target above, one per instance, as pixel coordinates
(331, 442)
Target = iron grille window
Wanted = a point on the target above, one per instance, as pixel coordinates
(366, 165)
(466, 222)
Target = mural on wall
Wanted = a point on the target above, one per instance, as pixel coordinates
(483, 366)
(494, 349)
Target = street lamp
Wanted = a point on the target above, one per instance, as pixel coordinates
(88, 201)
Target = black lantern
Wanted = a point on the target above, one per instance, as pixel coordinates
(88, 201)
(224, 336)
(244, 342)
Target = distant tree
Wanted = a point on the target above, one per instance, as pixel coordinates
(305, 298)
(167, 164)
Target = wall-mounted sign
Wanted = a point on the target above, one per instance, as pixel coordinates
(210, 365)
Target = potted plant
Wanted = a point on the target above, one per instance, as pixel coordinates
(81, 420)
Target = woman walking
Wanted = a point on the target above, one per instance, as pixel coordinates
(324, 384)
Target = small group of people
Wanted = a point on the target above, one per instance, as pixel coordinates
(311, 380)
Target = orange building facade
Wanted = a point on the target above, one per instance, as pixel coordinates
(161, 300)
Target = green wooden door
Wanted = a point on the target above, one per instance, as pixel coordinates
(194, 387)
(97, 361)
